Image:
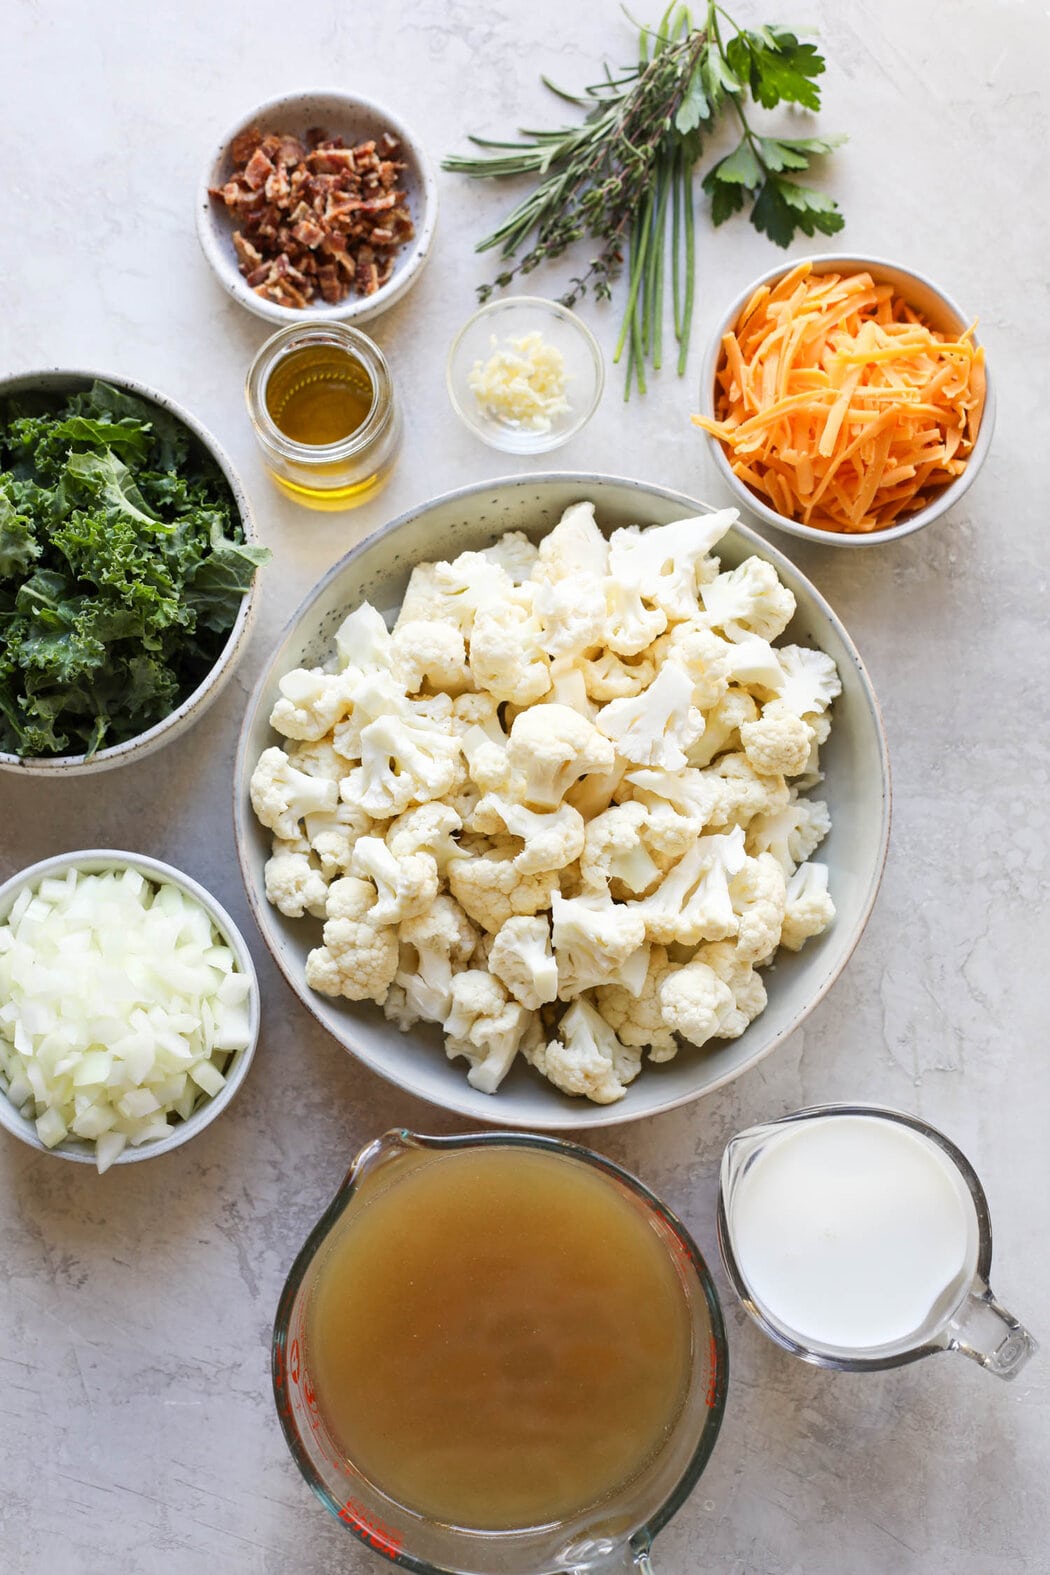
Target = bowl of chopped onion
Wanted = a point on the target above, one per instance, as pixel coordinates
(525, 374)
(846, 400)
(130, 1007)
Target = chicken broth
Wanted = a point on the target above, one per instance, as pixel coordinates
(500, 1339)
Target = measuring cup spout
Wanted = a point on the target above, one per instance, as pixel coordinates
(626, 1558)
(380, 1154)
(983, 1330)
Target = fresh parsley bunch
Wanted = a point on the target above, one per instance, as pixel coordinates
(122, 569)
(624, 177)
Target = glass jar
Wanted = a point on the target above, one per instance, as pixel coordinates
(334, 379)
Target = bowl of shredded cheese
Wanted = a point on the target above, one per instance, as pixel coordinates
(525, 374)
(847, 400)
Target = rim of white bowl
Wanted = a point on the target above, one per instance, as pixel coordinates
(560, 1120)
(217, 246)
(823, 262)
(55, 380)
(94, 861)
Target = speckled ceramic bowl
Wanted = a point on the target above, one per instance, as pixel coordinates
(355, 120)
(184, 715)
(94, 861)
(857, 789)
(940, 311)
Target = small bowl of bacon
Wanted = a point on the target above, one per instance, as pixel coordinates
(317, 205)
(847, 400)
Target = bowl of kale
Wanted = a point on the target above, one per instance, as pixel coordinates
(127, 562)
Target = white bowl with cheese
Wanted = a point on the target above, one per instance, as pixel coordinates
(525, 374)
(147, 963)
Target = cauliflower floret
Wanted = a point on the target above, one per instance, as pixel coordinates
(701, 654)
(679, 805)
(552, 838)
(587, 1058)
(659, 725)
(692, 902)
(749, 993)
(575, 550)
(615, 859)
(695, 1003)
(332, 836)
(453, 592)
(312, 701)
(595, 792)
(485, 1026)
(357, 958)
(791, 832)
(506, 654)
(433, 945)
(809, 908)
(483, 879)
(281, 795)
(744, 793)
(779, 742)
(636, 1015)
(611, 677)
(594, 940)
(568, 687)
(664, 563)
(405, 886)
(809, 680)
(550, 748)
(363, 641)
(750, 599)
(630, 626)
(759, 896)
(722, 726)
(426, 651)
(403, 761)
(294, 883)
(428, 828)
(514, 553)
(378, 694)
(521, 957)
(754, 664)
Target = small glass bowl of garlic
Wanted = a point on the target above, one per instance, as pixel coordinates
(525, 374)
(129, 1007)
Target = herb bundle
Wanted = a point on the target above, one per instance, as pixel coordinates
(624, 176)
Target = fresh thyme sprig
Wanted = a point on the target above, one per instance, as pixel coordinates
(624, 175)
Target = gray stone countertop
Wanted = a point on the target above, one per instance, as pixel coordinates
(137, 1432)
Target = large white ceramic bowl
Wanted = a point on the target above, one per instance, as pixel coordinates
(939, 310)
(355, 120)
(857, 790)
(55, 381)
(96, 861)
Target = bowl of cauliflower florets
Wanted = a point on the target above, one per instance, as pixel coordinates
(563, 800)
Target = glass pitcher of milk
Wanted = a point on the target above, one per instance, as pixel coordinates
(858, 1238)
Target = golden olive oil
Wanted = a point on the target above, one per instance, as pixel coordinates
(319, 395)
(499, 1339)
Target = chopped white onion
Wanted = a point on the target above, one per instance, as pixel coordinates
(120, 1005)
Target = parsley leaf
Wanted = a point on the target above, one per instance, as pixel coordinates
(782, 207)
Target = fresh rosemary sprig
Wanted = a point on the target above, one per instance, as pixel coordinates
(624, 176)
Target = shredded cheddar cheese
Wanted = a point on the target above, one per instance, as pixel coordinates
(523, 382)
(840, 406)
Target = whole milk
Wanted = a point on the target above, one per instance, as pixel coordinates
(854, 1232)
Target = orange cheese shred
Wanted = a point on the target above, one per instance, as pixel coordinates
(840, 406)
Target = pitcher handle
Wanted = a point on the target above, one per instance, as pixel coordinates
(984, 1331)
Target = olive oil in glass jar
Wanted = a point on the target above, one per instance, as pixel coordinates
(322, 404)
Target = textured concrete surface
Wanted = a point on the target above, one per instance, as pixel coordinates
(137, 1435)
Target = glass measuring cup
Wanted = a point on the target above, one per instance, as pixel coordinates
(970, 1319)
(614, 1535)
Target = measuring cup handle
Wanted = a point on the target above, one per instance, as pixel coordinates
(984, 1331)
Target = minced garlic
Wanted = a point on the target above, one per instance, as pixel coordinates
(523, 382)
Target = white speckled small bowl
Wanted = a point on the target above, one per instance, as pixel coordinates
(355, 120)
(184, 715)
(93, 861)
(941, 312)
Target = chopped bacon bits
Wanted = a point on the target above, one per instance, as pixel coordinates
(315, 220)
